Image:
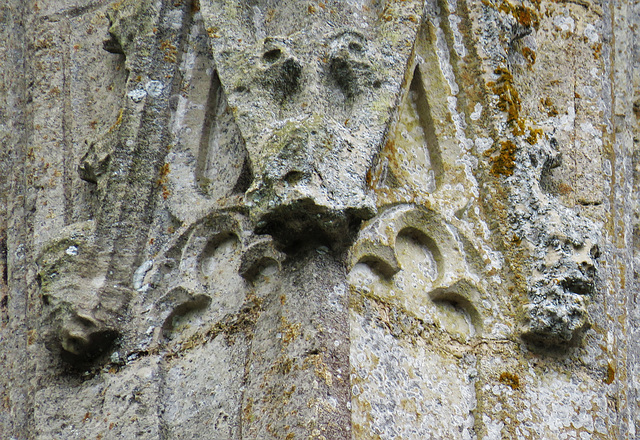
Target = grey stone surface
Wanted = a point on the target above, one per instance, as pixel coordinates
(329, 219)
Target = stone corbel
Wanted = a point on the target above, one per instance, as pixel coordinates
(82, 316)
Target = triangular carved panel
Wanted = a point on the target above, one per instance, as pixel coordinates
(208, 164)
(413, 154)
(221, 157)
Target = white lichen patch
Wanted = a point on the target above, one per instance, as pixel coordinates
(154, 88)
(477, 112)
(591, 33)
(137, 95)
(401, 390)
(564, 405)
(565, 23)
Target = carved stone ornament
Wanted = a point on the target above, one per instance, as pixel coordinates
(565, 250)
(437, 283)
(324, 219)
(82, 315)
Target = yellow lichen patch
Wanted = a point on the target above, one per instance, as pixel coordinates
(597, 50)
(319, 368)
(534, 135)
(504, 162)
(508, 99)
(323, 373)
(162, 181)
(525, 16)
(31, 337)
(509, 102)
(213, 32)
(289, 331)
(271, 13)
(170, 51)
(510, 380)
(118, 121)
(549, 106)
(564, 189)
(248, 410)
(164, 171)
(284, 366)
(611, 374)
(529, 55)
(117, 5)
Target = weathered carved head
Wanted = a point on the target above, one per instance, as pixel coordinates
(561, 288)
(312, 90)
(564, 249)
(80, 314)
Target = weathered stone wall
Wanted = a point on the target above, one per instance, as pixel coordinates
(342, 219)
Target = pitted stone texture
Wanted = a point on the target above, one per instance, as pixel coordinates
(298, 367)
(565, 250)
(406, 388)
(497, 77)
(203, 391)
(541, 399)
(110, 405)
(547, 136)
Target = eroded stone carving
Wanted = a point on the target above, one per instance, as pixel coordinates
(81, 314)
(439, 280)
(305, 103)
(282, 71)
(564, 249)
(219, 289)
(248, 321)
(208, 269)
(351, 62)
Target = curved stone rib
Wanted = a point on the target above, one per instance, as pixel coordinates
(452, 285)
(257, 255)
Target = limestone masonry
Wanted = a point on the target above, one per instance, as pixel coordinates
(337, 219)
